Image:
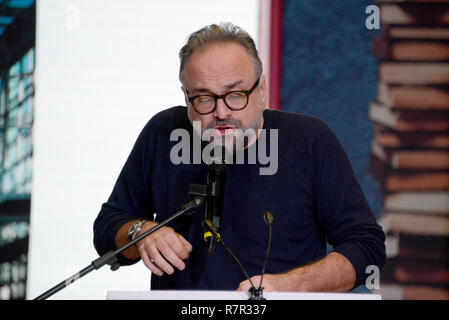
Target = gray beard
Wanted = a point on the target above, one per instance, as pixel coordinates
(255, 125)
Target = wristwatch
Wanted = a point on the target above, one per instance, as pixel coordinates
(135, 228)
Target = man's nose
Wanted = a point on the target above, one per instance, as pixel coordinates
(222, 111)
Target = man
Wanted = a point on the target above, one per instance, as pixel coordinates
(313, 194)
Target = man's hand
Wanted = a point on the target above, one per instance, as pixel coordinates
(163, 250)
(333, 273)
(270, 282)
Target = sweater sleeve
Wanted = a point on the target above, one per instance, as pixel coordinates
(130, 198)
(342, 209)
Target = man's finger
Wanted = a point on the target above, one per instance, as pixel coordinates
(149, 264)
(244, 286)
(171, 256)
(159, 260)
(178, 246)
(185, 243)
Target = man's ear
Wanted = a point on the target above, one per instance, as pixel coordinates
(186, 97)
(263, 90)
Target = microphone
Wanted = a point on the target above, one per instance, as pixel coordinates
(255, 293)
(216, 180)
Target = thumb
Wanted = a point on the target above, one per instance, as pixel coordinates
(185, 243)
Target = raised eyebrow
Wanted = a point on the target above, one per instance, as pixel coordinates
(227, 87)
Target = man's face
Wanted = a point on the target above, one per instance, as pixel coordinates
(217, 70)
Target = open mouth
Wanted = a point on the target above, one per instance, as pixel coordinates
(224, 130)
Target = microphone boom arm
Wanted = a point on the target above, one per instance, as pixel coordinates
(111, 256)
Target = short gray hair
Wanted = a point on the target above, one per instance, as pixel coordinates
(221, 33)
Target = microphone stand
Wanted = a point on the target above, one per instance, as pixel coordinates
(254, 293)
(111, 256)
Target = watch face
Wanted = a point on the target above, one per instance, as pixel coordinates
(134, 228)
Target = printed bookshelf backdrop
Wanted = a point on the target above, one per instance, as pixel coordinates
(385, 95)
(410, 147)
(17, 63)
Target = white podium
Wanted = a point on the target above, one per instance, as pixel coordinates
(233, 295)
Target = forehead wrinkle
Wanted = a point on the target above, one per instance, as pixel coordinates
(219, 81)
(225, 87)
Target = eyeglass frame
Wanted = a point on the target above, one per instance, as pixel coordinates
(223, 96)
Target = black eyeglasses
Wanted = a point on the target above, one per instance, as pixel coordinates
(234, 100)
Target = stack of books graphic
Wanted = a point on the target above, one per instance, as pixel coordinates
(410, 147)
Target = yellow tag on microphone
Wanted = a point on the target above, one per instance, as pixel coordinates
(207, 234)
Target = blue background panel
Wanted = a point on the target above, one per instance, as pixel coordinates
(329, 72)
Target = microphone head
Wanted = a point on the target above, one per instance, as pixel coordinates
(268, 217)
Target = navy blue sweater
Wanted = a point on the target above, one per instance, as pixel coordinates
(314, 196)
